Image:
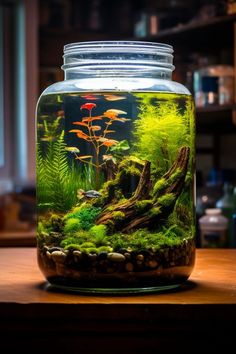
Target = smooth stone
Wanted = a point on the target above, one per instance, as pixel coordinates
(127, 255)
(93, 257)
(116, 257)
(140, 257)
(153, 264)
(102, 255)
(77, 253)
(58, 256)
(48, 254)
(129, 267)
(52, 249)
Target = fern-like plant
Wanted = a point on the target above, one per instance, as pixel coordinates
(57, 181)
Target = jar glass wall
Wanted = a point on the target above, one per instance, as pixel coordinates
(115, 171)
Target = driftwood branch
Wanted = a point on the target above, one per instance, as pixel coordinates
(133, 213)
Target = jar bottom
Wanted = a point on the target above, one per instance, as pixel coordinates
(113, 291)
(147, 282)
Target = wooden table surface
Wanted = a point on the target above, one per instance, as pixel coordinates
(213, 281)
(206, 303)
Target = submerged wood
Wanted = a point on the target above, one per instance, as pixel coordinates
(128, 216)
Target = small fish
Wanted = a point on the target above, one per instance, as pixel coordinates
(89, 194)
(49, 138)
(72, 149)
(90, 97)
(114, 97)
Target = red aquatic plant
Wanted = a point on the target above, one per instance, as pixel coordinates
(96, 134)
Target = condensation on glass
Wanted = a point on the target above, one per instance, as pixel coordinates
(115, 171)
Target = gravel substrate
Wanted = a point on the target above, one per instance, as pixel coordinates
(117, 269)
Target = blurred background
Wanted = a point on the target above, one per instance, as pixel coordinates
(203, 34)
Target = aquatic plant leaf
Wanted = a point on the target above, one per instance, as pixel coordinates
(80, 123)
(88, 106)
(122, 145)
(110, 131)
(84, 157)
(91, 119)
(95, 128)
(123, 120)
(107, 157)
(79, 133)
(108, 142)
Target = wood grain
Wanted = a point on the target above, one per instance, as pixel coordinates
(213, 281)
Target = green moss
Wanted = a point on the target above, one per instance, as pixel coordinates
(99, 235)
(177, 174)
(85, 214)
(119, 241)
(87, 244)
(154, 211)
(105, 249)
(72, 246)
(98, 230)
(78, 238)
(129, 161)
(40, 227)
(72, 226)
(143, 205)
(89, 250)
(159, 186)
(118, 215)
(167, 199)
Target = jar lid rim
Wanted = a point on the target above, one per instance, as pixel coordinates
(131, 46)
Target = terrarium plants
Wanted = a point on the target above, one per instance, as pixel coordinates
(160, 129)
(57, 181)
(96, 135)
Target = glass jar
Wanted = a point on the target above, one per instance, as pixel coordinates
(115, 171)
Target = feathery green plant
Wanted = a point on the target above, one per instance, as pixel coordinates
(162, 128)
(57, 182)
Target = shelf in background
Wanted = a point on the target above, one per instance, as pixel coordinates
(17, 238)
(216, 119)
(197, 30)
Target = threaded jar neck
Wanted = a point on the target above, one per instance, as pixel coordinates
(118, 59)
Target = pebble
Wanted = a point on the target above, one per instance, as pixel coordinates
(93, 257)
(102, 255)
(48, 254)
(122, 250)
(77, 253)
(153, 264)
(127, 255)
(140, 257)
(116, 257)
(58, 256)
(52, 249)
(129, 267)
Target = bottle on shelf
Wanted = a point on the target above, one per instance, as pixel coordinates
(226, 204)
(213, 229)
